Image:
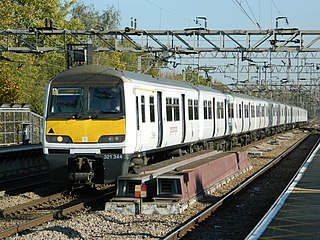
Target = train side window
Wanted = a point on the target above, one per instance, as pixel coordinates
(240, 112)
(176, 109)
(169, 109)
(236, 111)
(258, 111)
(205, 109)
(196, 110)
(209, 110)
(230, 110)
(190, 109)
(143, 110)
(246, 111)
(220, 110)
(152, 112)
(252, 112)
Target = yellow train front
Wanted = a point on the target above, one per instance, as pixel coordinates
(84, 127)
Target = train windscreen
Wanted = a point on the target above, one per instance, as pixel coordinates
(86, 101)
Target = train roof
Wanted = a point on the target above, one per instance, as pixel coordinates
(140, 77)
(89, 69)
(131, 76)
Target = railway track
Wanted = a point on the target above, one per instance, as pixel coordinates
(28, 215)
(22, 184)
(234, 215)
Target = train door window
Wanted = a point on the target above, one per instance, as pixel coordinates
(176, 109)
(252, 112)
(190, 109)
(246, 111)
(230, 110)
(258, 114)
(205, 109)
(240, 111)
(137, 110)
(169, 109)
(237, 112)
(209, 109)
(196, 109)
(286, 111)
(152, 112)
(143, 109)
(220, 110)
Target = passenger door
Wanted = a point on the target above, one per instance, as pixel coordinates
(160, 119)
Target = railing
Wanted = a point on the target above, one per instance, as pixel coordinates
(18, 125)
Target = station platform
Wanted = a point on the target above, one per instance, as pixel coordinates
(296, 215)
(19, 148)
(16, 160)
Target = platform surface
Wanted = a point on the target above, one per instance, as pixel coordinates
(299, 216)
(18, 148)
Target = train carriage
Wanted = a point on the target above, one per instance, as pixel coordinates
(101, 122)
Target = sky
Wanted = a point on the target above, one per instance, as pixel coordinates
(220, 15)
(223, 14)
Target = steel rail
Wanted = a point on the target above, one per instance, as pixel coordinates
(56, 214)
(22, 183)
(30, 205)
(191, 223)
(257, 230)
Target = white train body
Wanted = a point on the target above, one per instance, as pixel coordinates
(157, 117)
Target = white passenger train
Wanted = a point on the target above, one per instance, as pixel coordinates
(99, 122)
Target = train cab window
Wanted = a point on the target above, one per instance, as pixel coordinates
(169, 109)
(190, 109)
(104, 100)
(196, 109)
(176, 109)
(66, 100)
(205, 109)
(152, 112)
(143, 109)
(230, 110)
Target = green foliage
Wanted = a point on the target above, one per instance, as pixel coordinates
(90, 18)
(23, 76)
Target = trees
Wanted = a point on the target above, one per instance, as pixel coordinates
(23, 76)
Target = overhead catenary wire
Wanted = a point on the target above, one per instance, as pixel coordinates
(238, 4)
(168, 11)
(273, 3)
(279, 12)
(256, 21)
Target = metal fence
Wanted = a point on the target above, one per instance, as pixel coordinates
(18, 125)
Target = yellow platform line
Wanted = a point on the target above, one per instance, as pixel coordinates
(305, 190)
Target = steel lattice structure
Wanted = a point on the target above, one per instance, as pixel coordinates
(271, 60)
(187, 41)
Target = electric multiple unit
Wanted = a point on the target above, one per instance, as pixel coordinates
(101, 122)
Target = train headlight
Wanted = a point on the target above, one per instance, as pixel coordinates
(112, 139)
(58, 139)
